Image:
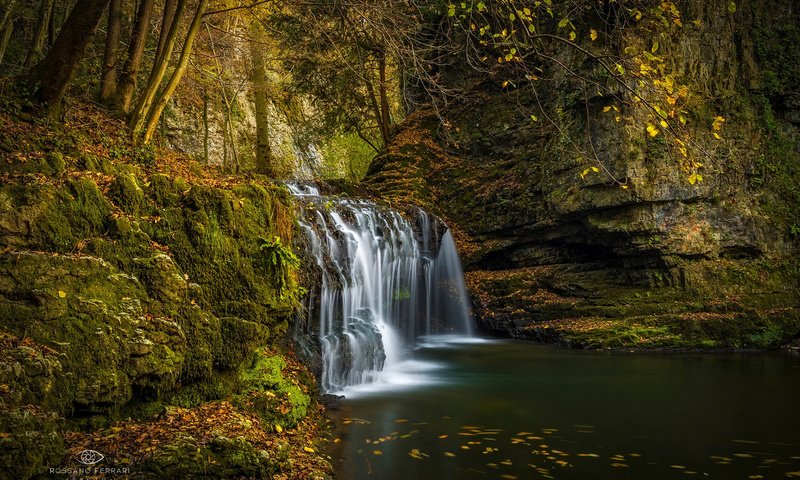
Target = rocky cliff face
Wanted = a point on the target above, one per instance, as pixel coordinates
(557, 254)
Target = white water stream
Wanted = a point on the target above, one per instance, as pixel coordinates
(385, 284)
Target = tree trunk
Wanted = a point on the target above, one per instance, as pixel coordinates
(54, 72)
(180, 69)
(9, 9)
(51, 25)
(259, 81)
(40, 35)
(127, 80)
(170, 7)
(139, 115)
(385, 119)
(5, 36)
(108, 80)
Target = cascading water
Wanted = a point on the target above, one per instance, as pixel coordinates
(385, 282)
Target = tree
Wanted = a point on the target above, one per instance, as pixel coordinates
(53, 73)
(127, 80)
(259, 81)
(183, 61)
(169, 32)
(108, 78)
(40, 35)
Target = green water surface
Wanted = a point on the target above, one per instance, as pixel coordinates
(515, 410)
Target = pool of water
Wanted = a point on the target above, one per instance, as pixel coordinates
(500, 409)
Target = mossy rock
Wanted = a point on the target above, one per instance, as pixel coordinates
(31, 440)
(94, 316)
(51, 164)
(239, 339)
(126, 194)
(265, 390)
(220, 458)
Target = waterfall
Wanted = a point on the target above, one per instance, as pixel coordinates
(384, 282)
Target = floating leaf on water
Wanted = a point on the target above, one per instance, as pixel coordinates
(679, 467)
(377, 452)
(401, 420)
(416, 453)
(443, 436)
(619, 465)
(449, 454)
(755, 476)
(524, 434)
(742, 455)
(592, 455)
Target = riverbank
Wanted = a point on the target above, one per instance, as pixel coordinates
(145, 301)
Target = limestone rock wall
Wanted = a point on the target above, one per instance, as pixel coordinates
(663, 263)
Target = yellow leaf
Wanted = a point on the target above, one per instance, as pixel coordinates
(595, 169)
(572, 35)
(308, 449)
(652, 130)
(664, 124)
(377, 452)
(655, 47)
(606, 109)
(593, 34)
(62, 294)
(624, 187)
(732, 7)
(278, 428)
(449, 454)
(716, 135)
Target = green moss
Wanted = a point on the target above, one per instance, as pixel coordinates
(222, 457)
(239, 339)
(126, 194)
(268, 392)
(32, 440)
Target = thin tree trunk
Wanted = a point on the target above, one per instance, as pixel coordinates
(127, 80)
(9, 9)
(5, 36)
(139, 115)
(205, 125)
(51, 25)
(259, 80)
(54, 72)
(170, 7)
(376, 109)
(227, 123)
(108, 80)
(180, 69)
(42, 22)
(384, 96)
